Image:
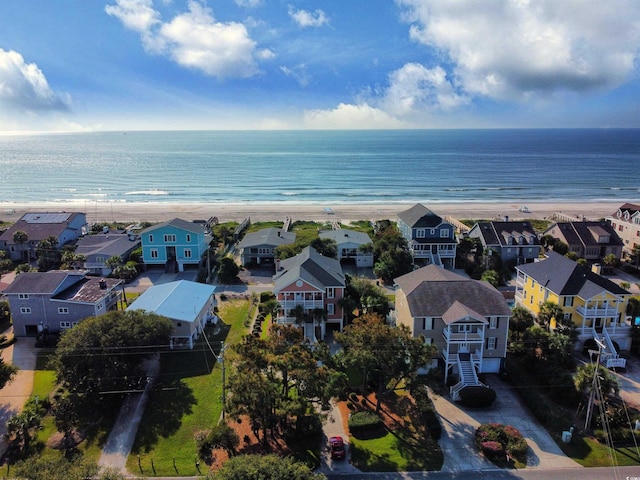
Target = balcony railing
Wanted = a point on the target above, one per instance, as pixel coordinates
(462, 337)
(306, 304)
(606, 312)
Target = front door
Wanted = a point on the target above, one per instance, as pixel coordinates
(463, 348)
(598, 323)
(171, 253)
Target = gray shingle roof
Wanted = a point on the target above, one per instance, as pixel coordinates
(178, 223)
(496, 233)
(109, 245)
(45, 283)
(311, 267)
(419, 216)
(267, 236)
(343, 235)
(39, 226)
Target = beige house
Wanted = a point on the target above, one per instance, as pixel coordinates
(626, 223)
(467, 320)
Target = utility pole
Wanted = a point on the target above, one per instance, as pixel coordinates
(224, 396)
(594, 383)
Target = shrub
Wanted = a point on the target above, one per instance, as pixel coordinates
(428, 414)
(477, 396)
(509, 438)
(492, 449)
(361, 422)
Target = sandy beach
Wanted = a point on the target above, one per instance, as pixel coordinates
(345, 213)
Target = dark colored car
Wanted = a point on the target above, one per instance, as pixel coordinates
(336, 445)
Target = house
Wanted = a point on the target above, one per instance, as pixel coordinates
(589, 240)
(513, 241)
(467, 320)
(66, 227)
(349, 243)
(97, 249)
(174, 244)
(259, 247)
(189, 305)
(431, 239)
(593, 304)
(57, 300)
(309, 288)
(626, 223)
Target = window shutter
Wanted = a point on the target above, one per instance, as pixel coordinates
(486, 343)
(497, 322)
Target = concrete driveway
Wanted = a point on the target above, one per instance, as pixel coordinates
(460, 423)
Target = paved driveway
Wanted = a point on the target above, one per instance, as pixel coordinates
(460, 423)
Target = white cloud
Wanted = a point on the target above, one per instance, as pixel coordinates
(515, 49)
(305, 18)
(348, 116)
(24, 88)
(194, 39)
(299, 73)
(248, 3)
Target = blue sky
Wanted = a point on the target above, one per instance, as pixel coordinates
(88, 65)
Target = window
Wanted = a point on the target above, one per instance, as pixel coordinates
(23, 296)
(428, 341)
(493, 322)
(432, 232)
(444, 233)
(25, 310)
(169, 238)
(620, 228)
(531, 300)
(154, 253)
(188, 238)
(65, 325)
(150, 238)
(464, 327)
(187, 253)
(331, 309)
(330, 292)
(567, 302)
(427, 323)
(492, 342)
(567, 317)
(420, 233)
(63, 310)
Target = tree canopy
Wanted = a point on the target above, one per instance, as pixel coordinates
(386, 356)
(7, 372)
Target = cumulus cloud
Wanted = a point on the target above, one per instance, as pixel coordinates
(515, 49)
(349, 116)
(193, 39)
(23, 86)
(306, 18)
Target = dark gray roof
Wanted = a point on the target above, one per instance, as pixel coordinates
(565, 277)
(178, 223)
(311, 267)
(497, 233)
(109, 245)
(44, 283)
(343, 235)
(39, 226)
(419, 216)
(586, 233)
(267, 236)
(632, 208)
(432, 291)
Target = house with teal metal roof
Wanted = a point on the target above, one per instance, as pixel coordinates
(174, 244)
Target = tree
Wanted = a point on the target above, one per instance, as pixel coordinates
(583, 379)
(225, 437)
(5, 312)
(560, 247)
(521, 319)
(61, 468)
(21, 425)
(610, 261)
(386, 356)
(72, 260)
(625, 285)
(7, 372)
(105, 354)
(492, 277)
(20, 237)
(635, 254)
(264, 467)
(326, 247)
(550, 311)
(392, 264)
(228, 271)
(49, 256)
(365, 296)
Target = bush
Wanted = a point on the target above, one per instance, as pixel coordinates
(492, 449)
(477, 396)
(428, 414)
(509, 438)
(361, 422)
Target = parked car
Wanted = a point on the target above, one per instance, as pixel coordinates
(336, 446)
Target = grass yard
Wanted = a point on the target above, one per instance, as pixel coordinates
(588, 452)
(187, 399)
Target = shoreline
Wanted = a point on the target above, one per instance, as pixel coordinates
(125, 212)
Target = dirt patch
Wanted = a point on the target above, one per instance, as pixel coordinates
(59, 442)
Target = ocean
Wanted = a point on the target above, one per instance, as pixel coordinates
(322, 167)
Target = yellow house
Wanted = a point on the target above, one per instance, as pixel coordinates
(594, 304)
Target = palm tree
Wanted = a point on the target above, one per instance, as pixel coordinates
(20, 237)
(550, 311)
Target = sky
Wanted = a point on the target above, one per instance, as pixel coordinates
(110, 65)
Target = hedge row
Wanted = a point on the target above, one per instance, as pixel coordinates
(361, 422)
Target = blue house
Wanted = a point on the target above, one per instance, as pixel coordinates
(431, 239)
(174, 244)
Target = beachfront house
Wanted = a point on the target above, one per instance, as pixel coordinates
(65, 227)
(431, 239)
(626, 223)
(589, 240)
(174, 244)
(512, 241)
(260, 247)
(467, 320)
(97, 249)
(309, 288)
(57, 300)
(593, 304)
(189, 306)
(351, 246)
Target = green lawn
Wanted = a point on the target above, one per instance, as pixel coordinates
(588, 452)
(187, 398)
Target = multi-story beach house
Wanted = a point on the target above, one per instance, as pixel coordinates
(349, 243)
(513, 241)
(260, 247)
(626, 223)
(97, 249)
(66, 227)
(189, 306)
(57, 300)
(174, 244)
(593, 304)
(589, 240)
(467, 320)
(309, 288)
(431, 239)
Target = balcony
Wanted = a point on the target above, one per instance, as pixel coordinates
(462, 337)
(606, 312)
(306, 304)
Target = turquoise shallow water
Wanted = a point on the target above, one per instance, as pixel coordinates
(322, 166)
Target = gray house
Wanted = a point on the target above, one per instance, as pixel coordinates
(590, 240)
(66, 227)
(97, 249)
(58, 300)
(349, 243)
(259, 247)
(511, 240)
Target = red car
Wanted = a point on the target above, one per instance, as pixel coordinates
(336, 446)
